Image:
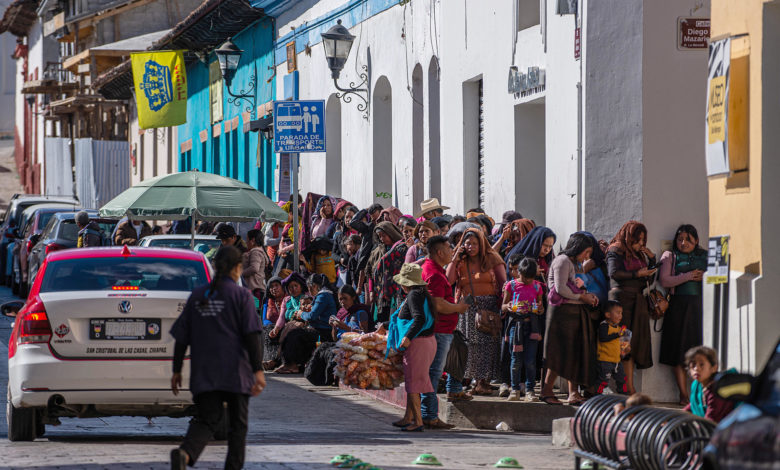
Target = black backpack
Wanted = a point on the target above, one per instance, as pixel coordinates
(319, 369)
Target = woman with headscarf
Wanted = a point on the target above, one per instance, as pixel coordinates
(322, 218)
(391, 214)
(511, 234)
(538, 245)
(364, 226)
(386, 291)
(479, 274)
(594, 271)
(296, 341)
(629, 264)
(271, 312)
(422, 232)
(570, 344)
(682, 269)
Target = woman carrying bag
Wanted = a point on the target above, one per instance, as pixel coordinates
(411, 331)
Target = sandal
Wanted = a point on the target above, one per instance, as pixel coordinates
(417, 429)
(576, 401)
(550, 400)
(400, 424)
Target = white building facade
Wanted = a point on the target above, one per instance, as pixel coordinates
(600, 139)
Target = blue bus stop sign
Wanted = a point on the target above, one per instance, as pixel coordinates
(299, 126)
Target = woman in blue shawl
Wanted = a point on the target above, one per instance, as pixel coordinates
(594, 271)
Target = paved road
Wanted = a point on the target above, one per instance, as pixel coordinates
(292, 426)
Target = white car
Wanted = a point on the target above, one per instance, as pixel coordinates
(93, 337)
(203, 243)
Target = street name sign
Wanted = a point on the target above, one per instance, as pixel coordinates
(299, 126)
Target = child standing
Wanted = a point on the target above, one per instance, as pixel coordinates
(610, 351)
(522, 306)
(702, 366)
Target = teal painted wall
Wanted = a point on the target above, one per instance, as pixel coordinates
(232, 154)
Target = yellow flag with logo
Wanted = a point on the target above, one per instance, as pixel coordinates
(160, 82)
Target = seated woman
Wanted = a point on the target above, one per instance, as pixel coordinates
(322, 309)
(296, 341)
(352, 317)
(271, 313)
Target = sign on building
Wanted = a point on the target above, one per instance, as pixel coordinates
(716, 119)
(160, 82)
(299, 126)
(692, 33)
(718, 260)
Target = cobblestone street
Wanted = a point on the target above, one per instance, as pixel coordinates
(292, 426)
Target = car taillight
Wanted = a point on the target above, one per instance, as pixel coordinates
(32, 326)
(53, 247)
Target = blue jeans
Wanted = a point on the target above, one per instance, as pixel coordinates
(430, 403)
(526, 357)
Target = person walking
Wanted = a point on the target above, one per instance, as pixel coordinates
(255, 261)
(439, 255)
(570, 343)
(682, 269)
(479, 275)
(411, 330)
(220, 326)
(631, 265)
(89, 231)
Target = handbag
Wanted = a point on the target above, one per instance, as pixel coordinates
(657, 302)
(398, 328)
(486, 321)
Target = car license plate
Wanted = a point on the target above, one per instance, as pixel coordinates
(125, 328)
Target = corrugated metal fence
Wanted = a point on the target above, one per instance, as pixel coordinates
(102, 170)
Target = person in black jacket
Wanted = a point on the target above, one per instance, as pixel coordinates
(418, 341)
(220, 326)
(364, 225)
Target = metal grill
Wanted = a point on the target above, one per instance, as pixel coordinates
(481, 156)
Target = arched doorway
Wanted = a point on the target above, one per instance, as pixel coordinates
(333, 149)
(418, 141)
(383, 142)
(434, 133)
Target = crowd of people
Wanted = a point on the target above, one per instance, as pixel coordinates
(528, 315)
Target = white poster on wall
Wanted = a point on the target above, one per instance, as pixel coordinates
(716, 119)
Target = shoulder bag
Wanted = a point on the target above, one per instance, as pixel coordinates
(657, 303)
(487, 321)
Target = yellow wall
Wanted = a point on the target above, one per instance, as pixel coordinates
(736, 210)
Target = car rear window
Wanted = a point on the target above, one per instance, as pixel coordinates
(45, 218)
(70, 231)
(182, 243)
(123, 274)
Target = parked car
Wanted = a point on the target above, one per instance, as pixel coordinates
(93, 338)
(9, 224)
(33, 220)
(60, 233)
(203, 243)
(749, 437)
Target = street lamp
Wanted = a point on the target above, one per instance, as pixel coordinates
(337, 42)
(229, 55)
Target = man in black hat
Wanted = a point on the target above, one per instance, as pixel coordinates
(227, 234)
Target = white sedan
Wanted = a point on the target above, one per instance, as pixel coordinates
(92, 339)
(203, 243)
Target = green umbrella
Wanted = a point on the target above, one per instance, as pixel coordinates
(204, 196)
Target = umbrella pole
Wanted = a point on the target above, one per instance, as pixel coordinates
(192, 234)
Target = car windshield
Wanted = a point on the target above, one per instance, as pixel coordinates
(45, 218)
(70, 231)
(123, 274)
(183, 243)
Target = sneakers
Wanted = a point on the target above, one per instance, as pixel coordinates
(504, 390)
(458, 396)
(515, 395)
(178, 459)
(531, 396)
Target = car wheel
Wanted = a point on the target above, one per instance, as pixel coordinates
(21, 422)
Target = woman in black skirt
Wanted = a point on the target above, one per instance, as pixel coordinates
(681, 271)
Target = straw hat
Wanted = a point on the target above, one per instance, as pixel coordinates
(410, 276)
(430, 205)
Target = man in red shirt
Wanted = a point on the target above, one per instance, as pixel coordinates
(439, 255)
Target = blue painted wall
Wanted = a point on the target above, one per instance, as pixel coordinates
(232, 154)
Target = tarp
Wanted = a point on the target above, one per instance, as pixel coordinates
(57, 166)
(102, 170)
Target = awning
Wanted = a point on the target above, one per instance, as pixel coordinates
(204, 29)
(48, 87)
(110, 55)
(19, 17)
(77, 103)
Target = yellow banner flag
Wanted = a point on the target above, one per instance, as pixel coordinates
(160, 81)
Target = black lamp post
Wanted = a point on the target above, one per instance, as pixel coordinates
(229, 55)
(337, 42)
